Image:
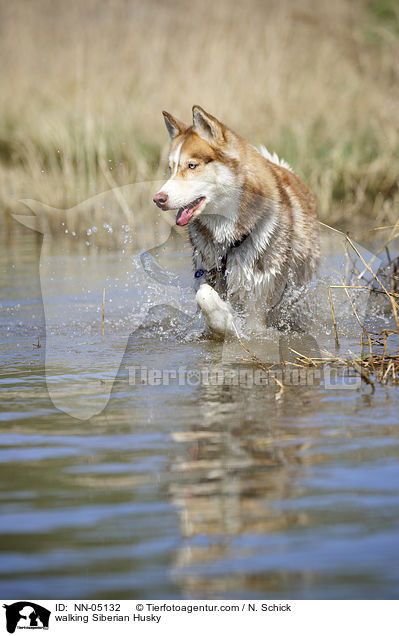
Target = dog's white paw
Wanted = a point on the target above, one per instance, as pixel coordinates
(216, 312)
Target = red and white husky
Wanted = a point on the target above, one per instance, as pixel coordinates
(252, 222)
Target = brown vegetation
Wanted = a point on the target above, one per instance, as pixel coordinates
(84, 83)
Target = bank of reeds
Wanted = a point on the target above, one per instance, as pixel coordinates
(377, 361)
(83, 85)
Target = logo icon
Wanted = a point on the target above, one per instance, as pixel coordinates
(105, 272)
(26, 615)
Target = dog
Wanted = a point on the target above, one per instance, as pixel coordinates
(252, 222)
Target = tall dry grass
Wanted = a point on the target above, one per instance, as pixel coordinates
(83, 85)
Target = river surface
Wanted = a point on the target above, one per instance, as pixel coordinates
(181, 484)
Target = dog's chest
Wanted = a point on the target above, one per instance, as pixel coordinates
(230, 264)
(210, 244)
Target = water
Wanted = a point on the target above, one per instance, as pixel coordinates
(184, 490)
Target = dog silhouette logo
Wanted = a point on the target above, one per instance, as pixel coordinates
(102, 270)
(26, 615)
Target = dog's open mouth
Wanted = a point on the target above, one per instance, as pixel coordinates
(186, 213)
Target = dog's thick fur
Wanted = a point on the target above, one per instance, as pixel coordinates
(252, 222)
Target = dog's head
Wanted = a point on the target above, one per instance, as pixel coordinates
(202, 163)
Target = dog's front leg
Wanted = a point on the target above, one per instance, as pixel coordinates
(216, 312)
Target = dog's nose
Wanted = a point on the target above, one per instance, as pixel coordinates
(161, 199)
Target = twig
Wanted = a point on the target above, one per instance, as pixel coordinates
(281, 390)
(254, 358)
(333, 318)
(381, 249)
(356, 314)
(363, 374)
(393, 302)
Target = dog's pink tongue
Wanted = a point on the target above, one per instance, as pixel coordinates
(184, 215)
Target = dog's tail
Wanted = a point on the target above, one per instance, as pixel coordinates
(274, 158)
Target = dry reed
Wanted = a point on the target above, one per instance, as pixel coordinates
(83, 86)
(380, 364)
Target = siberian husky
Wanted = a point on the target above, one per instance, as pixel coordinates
(251, 221)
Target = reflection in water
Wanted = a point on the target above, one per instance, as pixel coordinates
(253, 515)
(228, 479)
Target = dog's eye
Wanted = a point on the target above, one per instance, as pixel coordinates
(192, 166)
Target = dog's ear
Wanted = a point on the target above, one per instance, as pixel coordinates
(208, 127)
(174, 126)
